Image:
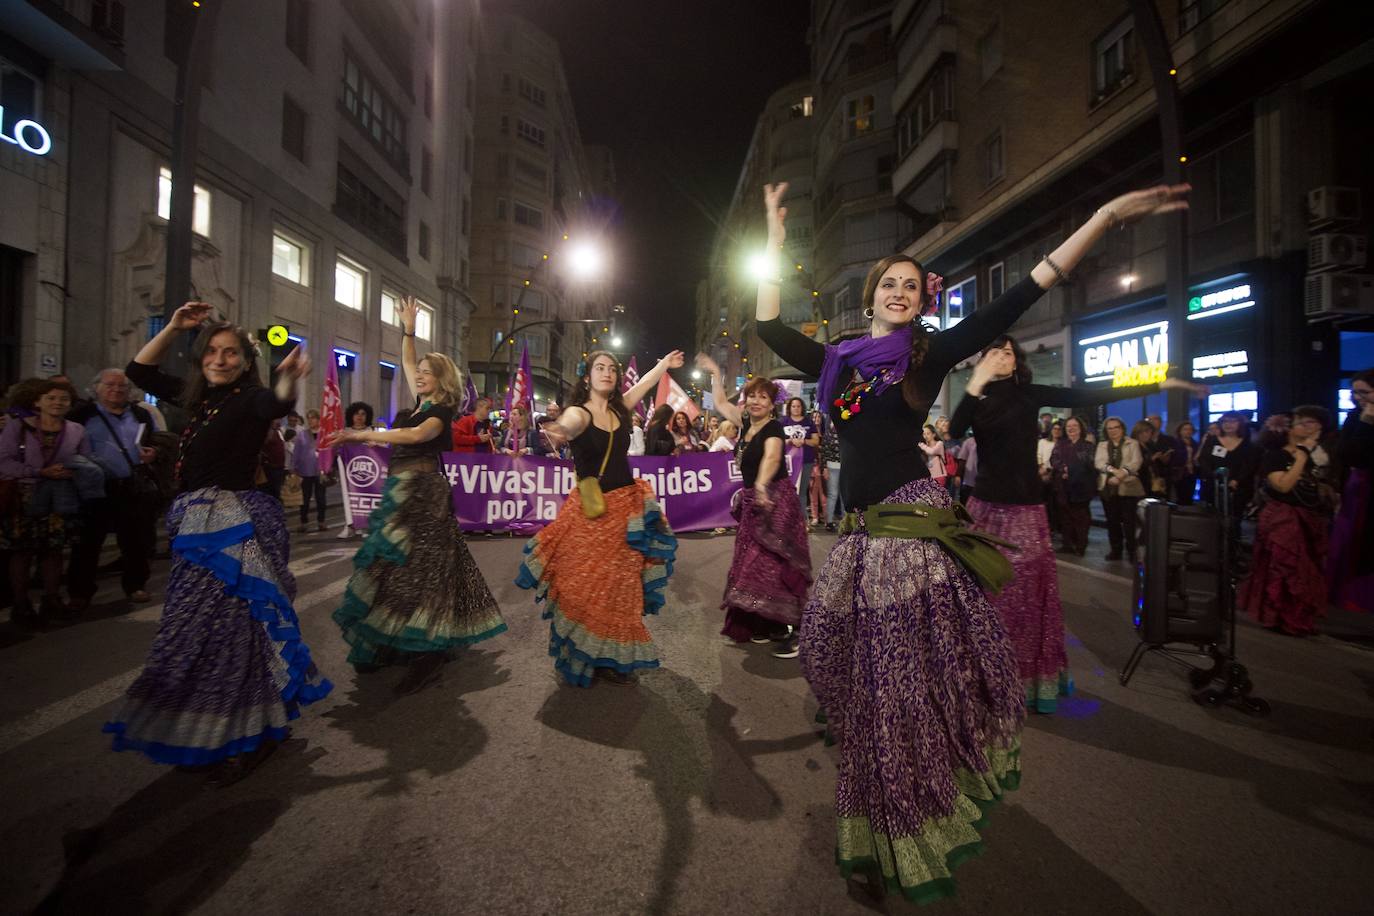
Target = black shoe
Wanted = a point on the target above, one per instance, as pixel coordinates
(829, 526)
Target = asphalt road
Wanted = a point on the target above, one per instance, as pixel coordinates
(705, 789)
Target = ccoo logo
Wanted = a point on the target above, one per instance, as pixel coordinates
(363, 470)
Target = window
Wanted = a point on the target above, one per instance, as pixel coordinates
(292, 128)
(803, 109)
(529, 131)
(290, 258)
(350, 284)
(990, 51)
(997, 283)
(376, 114)
(1112, 56)
(391, 300)
(1192, 12)
(424, 322)
(990, 159)
(426, 168)
(378, 216)
(298, 29)
(526, 215)
(531, 92)
(18, 93)
(200, 218)
(423, 241)
(524, 256)
(841, 300)
(528, 298)
(960, 302)
(500, 209)
(858, 118)
(934, 102)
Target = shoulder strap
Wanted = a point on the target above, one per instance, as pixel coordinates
(610, 438)
(114, 435)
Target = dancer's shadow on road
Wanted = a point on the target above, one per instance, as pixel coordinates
(167, 849)
(691, 750)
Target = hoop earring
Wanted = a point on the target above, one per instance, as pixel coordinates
(868, 313)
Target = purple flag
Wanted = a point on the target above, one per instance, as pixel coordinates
(521, 390)
(628, 381)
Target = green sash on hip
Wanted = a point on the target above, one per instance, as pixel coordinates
(976, 550)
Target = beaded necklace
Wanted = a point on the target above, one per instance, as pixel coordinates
(188, 435)
(850, 402)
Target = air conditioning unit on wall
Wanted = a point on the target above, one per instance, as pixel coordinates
(1335, 250)
(1330, 295)
(1332, 205)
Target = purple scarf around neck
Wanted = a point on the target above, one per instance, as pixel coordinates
(867, 356)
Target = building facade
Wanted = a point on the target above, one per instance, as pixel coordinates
(333, 166)
(542, 210)
(1022, 119)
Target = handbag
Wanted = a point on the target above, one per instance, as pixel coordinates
(589, 488)
(951, 465)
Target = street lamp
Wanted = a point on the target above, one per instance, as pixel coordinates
(762, 266)
(617, 342)
(585, 260)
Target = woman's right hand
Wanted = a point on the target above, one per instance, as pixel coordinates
(407, 312)
(761, 495)
(56, 472)
(775, 214)
(190, 316)
(1154, 201)
(708, 364)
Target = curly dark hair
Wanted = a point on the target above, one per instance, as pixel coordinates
(1022, 374)
(356, 406)
(25, 394)
(582, 391)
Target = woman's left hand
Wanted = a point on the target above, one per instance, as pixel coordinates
(674, 360)
(346, 435)
(296, 366)
(1196, 390)
(761, 496)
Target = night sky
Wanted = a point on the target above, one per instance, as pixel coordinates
(673, 87)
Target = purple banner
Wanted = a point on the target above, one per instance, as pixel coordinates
(501, 493)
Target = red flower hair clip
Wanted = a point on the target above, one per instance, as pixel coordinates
(935, 284)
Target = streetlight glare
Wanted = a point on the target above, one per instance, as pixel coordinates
(586, 260)
(696, 374)
(763, 266)
(616, 342)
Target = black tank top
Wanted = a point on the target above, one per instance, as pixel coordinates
(589, 449)
(749, 454)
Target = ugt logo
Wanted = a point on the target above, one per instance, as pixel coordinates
(363, 470)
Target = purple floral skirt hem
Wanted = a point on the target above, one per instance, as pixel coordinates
(916, 676)
(771, 570)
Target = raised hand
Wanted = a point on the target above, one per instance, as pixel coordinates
(1193, 388)
(674, 360)
(190, 316)
(296, 366)
(1128, 208)
(775, 213)
(708, 364)
(407, 313)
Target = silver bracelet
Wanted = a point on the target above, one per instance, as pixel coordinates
(1058, 272)
(1112, 218)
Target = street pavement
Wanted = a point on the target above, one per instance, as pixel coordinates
(705, 789)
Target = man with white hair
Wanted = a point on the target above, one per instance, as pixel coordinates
(117, 430)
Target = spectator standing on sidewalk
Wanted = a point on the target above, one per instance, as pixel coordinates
(472, 432)
(118, 431)
(305, 464)
(273, 459)
(1074, 470)
(1118, 464)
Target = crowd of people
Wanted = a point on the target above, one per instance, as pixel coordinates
(931, 628)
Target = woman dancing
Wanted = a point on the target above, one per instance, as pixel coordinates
(228, 668)
(771, 570)
(416, 592)
(1002, 406)
(898, 642)
(604, 562)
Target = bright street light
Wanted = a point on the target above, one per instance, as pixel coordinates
(616, 342)
(762, 266)
(696, 374)
(585, 260)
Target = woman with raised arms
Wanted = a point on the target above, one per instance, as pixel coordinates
(416, 594)
(603, 564)
(898, 642)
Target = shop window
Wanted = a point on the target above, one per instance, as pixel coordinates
(386, 372)
(960, 301)
(200, 212)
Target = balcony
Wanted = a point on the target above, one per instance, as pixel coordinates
(942, 39)
(943, 137)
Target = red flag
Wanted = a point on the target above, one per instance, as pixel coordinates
(628, 381)
(670, 392)
(521, 390)
(331, 412)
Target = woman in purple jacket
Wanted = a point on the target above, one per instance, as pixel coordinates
(42, 454)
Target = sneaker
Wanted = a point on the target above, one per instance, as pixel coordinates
(789, 649)
(782, 634)
(760, 639)
(344, 533)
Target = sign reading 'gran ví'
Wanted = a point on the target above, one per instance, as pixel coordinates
(1131, 356)
(30, 136)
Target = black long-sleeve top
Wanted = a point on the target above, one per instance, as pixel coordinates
(880, 447)
(1006, 424)
(223, 451)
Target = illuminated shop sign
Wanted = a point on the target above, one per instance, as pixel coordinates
(1220, 365)
(1219, 302)
(346, 360)
(30, 136)
(1134, 356)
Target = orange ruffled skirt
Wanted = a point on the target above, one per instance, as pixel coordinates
(598, 578)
